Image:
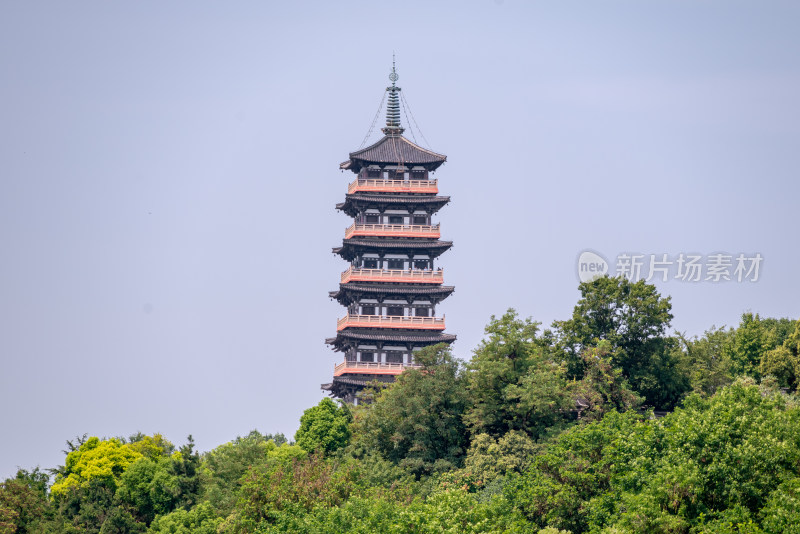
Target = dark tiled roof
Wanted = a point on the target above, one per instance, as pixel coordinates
(351, 246)
(361, 381)
(394, 149)
(348, 292)
(353, 201)
(427, 338)
(341, 385)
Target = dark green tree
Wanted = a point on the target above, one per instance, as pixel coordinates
(708, 360)
(753, 338)
(417, 421)
(783, 362)
(184, 466)
(23, 502)
(223, 467)
(149, 488)
(633, 317)
(603, 388)
(512, 381)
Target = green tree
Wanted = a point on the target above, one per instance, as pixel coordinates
(513, 383)
(417, 421)
(711, 466)
(753, 338)
(121, 521)
(95, 459)
(149, 488)
(781, 514)
(708, 360)
(283, 491)
(84, 508)
(223, 467)
(199, 520)
(602, 388)
(633, 317)
(23, 502)
(488, 458)
(783, 362)
(185, 467)
(324, 427)
(573, 478)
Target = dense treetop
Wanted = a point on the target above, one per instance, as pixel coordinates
(542, 430)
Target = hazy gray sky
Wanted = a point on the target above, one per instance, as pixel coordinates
(168, 176)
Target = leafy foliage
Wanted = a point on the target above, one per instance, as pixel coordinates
(224, 467)
(417, 423)
(538, 432)
(199, 520)
(103, 460)
(512, 382)
(324, 427)
(633, 319)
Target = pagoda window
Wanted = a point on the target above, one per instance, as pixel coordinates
(420, 219)
(422, 312)
(395, 311)
(419, 175)
(395, 219)
(367, 310)
(367, 356)
(395, 264)
(421, 264)
(373, 173)
(370, 263)
(372, 218)
(394, 357)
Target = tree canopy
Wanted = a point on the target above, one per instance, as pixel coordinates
(549, 431)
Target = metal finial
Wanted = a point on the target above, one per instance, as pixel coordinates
(393, 126)
(393, 77)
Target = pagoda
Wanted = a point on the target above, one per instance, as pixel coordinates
(392, 286)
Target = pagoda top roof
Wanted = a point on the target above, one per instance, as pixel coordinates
(393, 149)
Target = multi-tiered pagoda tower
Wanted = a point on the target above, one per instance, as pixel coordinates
(392, 286)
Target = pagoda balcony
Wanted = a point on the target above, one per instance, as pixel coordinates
(372, 368)
(415, 276)
(430, 231)
(390, 321)
(393, 186)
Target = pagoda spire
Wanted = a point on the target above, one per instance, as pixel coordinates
(393, 127)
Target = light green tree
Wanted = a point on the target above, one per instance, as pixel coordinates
(105, 460)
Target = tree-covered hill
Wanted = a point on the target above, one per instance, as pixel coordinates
(542, 430)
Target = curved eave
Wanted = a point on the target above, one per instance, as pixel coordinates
(350, 337)
(351, 247)
(341, 385)
(393, 150)
(358, 201)
(349, 293)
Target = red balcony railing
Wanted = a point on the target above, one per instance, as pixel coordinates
(372, 368)
(393, 186)
(411, 276)
(393, 230)
(382, 321)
